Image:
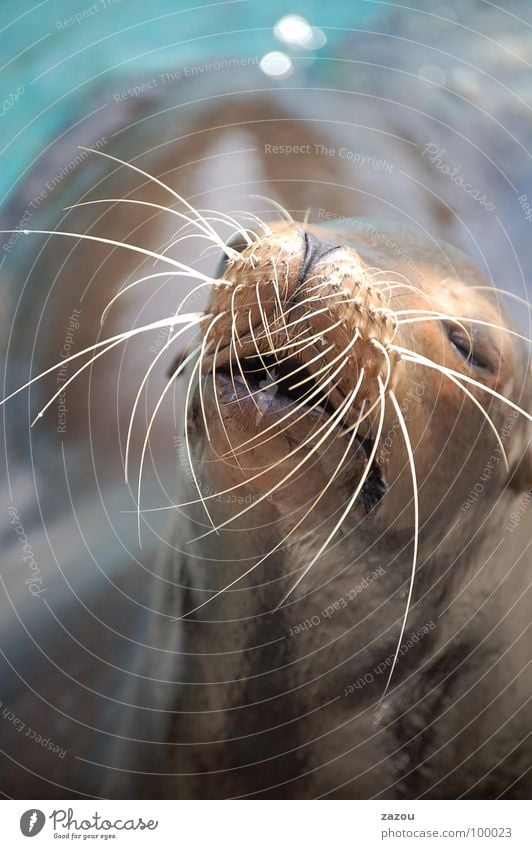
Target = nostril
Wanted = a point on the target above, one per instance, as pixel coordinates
(314, 251)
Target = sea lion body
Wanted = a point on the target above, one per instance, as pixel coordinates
(289, 702)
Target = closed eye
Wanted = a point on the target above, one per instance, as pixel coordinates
(465, 345)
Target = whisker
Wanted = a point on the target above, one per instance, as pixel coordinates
(148, 431)
(70, 380)
(263, 316)
(241, 370)
(278, 292)
(207, 232)
(327, 366)
(307, 318)
(217, 402)
(123, 291)
(227, 218)
(485, 414)
(198, 368)
(252, 217)
(410, 286)
(434, 317)
(165, 347)
(284, 212)
(219, 243)
(176, 240)
(163, 322)
(249, 479)
(301, 345)
(510, 295)
(413, 356)
(301, 404)
(234, 330)
(408, 446)
(351, 501)
(201, 379)
(135, 248)
(153, 180)
(330, 426)
(294, 371)
(254, 477)
(347, 403)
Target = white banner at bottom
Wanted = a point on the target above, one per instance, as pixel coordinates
(266, 824)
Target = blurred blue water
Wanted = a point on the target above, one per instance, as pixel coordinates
(51, 64)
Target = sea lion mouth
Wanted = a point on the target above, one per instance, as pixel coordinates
(277, 386)
(250, 404)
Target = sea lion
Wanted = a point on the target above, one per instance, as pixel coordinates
(407, 131)
(339, 606)
(343, 612)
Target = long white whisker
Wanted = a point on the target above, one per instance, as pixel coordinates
(219, 244)
(350, 502)
(263, 316)
(153, 180)
(168, 343)
(408, 446)
(252, 477)
(295, 371)
(302, 344)
(306, 318)
(284, 212)
(116, 244)
(227, 218)
(412, 356)
(123, 291)
(163, 322)
(327, 366)
(484, 413)
(253, 217)
(208, 232)
(203, 351)
(198, 368)
(494, 289)
(458, 319)
(70, 380)
(303, 403)
(295, 450)
(331, 424)
(346, 404)
(277, 291)
(148, 430)
(217, 402)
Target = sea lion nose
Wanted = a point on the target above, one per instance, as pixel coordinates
(315, 250)
(292, 296)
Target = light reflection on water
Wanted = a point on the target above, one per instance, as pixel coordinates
(59, 53)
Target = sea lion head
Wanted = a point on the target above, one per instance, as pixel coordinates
(352, 377)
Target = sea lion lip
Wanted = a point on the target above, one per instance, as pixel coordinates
(243, 403)
(253, 417)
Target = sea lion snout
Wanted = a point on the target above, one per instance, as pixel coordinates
(292, 299)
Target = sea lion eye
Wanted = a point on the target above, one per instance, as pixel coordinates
(465, 345)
